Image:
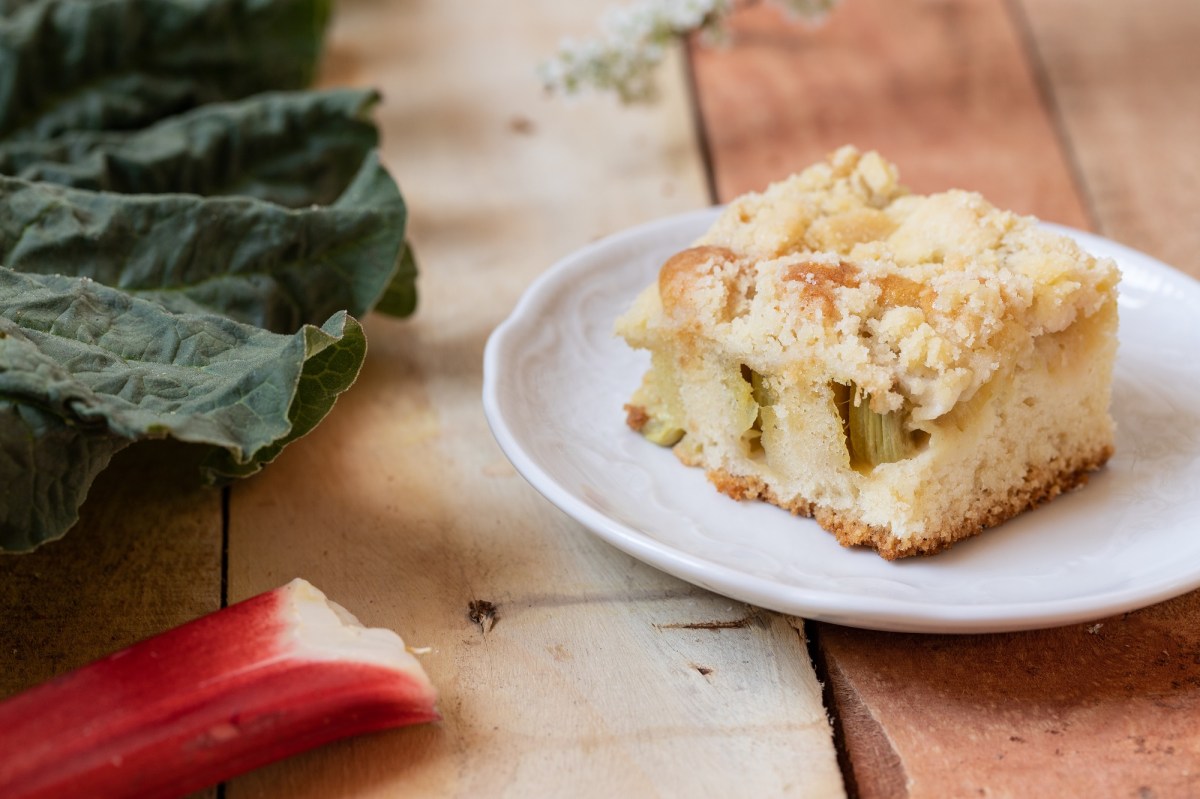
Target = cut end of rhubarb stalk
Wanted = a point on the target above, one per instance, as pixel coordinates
(266, 678)
(324, 630)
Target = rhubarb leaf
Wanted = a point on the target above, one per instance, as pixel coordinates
(86, 369)
(8, 7)
(329, 357)
(292, 148)
(120, 64)
(46, 468)
(400, 296)
(255, 261)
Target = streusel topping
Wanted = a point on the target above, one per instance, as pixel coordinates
(911, 298)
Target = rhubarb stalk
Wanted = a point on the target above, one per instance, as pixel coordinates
(266, 678)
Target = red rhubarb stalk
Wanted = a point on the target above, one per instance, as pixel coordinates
(280, 673)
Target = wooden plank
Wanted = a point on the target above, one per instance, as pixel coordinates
(942, 88)
(144, 557)
(1124, 83)
(585, 677)
(1107, 709)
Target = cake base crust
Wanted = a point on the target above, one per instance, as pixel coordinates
(1041, 484)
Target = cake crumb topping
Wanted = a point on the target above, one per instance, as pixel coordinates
(911, 298)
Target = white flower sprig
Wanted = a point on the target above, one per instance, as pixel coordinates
(633, 40)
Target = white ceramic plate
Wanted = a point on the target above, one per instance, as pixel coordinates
(555, 378)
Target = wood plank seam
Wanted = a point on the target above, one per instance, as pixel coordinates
(812, 642)
(883, 767)
(703, 145)
(226, 493)
(1045, 92)
(807, 644)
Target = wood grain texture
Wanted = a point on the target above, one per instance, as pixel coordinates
(1124, 80)
(585, 673)
(941, 87)
(144, 557)
(946, 89)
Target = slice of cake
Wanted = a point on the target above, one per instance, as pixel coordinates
(908, 370)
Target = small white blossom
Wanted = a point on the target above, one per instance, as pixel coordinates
(633, 40)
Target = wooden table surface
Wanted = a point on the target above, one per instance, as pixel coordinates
(597, 675)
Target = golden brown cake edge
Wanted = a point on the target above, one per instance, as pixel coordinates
(1042, 484)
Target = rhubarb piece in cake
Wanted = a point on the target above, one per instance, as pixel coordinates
(909, 370)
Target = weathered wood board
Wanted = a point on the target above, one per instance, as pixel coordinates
(1123, 80)
(944, 89)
